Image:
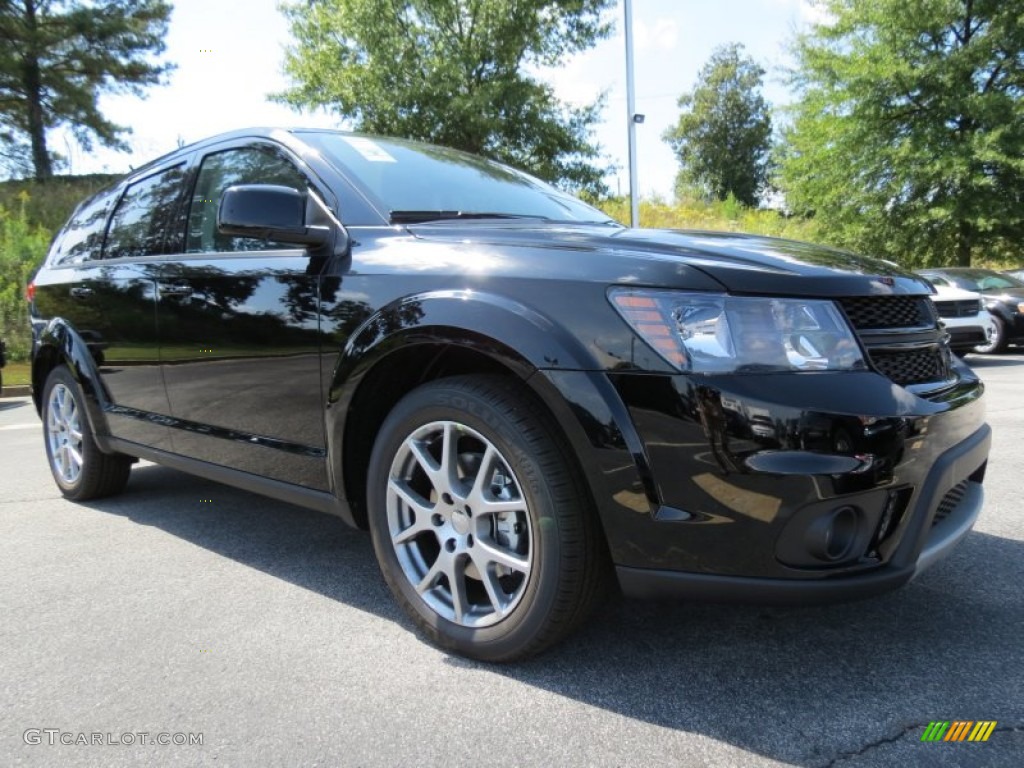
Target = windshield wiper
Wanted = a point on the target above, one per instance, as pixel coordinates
(419, 217)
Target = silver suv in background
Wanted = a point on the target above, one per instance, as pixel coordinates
(963, 315)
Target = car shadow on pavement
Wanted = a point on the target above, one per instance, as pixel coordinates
(12, 404)
(807, 686)
(810, 685)
(311, 549)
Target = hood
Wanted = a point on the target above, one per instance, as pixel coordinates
(741, 263)
(1012, 295)
(750, 263)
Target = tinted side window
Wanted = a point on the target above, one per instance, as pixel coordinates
(82, 237)
(248, 165)
(146, 211)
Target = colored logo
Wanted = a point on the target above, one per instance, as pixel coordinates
(958, 730)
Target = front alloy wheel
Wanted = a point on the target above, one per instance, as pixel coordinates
(459, 524)
(479, 520)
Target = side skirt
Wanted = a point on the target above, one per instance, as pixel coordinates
(275, 489)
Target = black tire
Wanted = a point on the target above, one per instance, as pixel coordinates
(998, 343)
(564, 548)
(97, 474)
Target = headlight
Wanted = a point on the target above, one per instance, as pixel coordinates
(714, 333)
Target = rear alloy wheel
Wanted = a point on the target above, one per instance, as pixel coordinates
(78, 466)
(477, 521)
(997, 341)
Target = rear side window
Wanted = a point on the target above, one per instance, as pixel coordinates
(246, 165)
(143, 216)
(82, 237)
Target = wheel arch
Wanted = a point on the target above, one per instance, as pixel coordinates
(999, 310)
(381, 363)
(60, 344)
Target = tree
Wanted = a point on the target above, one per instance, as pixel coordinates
(22, 247)
(59, 56)
(452, 72)
(908, 140)
(723, 137)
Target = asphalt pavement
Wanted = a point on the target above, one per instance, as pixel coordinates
(188, 611)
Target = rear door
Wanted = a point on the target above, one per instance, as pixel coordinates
(239, 331)
(106, 260)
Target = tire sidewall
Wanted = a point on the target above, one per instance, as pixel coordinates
(440, 403)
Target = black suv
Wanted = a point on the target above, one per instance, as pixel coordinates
(523, 401)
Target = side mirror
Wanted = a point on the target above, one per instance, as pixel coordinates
(268, 212)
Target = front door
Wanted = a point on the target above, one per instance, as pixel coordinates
(239, 334)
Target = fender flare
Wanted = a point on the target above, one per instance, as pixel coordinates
(71, 350)
(501, 328)
(461, 315)
(997, 308)
(504, 330)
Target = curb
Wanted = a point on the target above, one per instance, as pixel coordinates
(16, 391)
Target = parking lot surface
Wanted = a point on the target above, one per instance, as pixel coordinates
(188, 610)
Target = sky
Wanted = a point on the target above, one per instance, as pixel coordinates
(229, 56)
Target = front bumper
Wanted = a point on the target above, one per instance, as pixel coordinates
(965, 338)
(965, 333)
(716, 486)
(926, 543)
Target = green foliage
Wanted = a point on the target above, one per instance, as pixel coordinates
(30, 213)
(17, 373)
(49, 204)
(908, 141)
(723, 136)
(58, 57)
(452, 72)
(22, 248)
(719, 215)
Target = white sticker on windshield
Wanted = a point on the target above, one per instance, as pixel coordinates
(369, 149)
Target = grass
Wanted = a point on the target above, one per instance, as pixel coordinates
(723, 216)
(17, 374)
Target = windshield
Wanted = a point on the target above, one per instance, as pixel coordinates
(983, 280)
(420, 182)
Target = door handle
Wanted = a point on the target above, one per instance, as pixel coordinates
(175, 289)
(80, 292)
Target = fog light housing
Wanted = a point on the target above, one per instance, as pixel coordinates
(832, 536)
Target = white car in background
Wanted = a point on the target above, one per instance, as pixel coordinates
(964, 316)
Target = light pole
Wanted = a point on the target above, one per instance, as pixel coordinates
(632, 119)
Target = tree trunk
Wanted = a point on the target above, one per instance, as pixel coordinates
(32, 80)
(964, 243)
